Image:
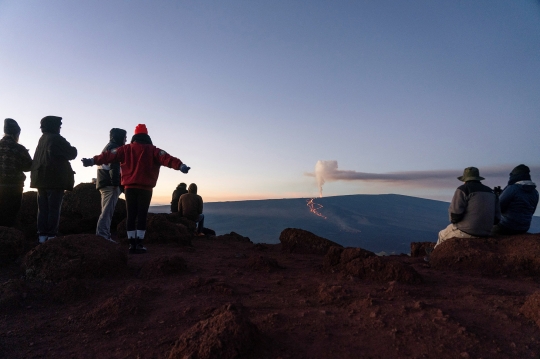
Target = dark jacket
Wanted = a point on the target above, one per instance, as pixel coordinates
(50, 167)
(475, 209)
(518, 204)
(14, 160)
(139, 162)
(109, 174)
(180, 190)
(190, 204)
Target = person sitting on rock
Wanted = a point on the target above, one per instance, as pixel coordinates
(518, 203)
(139, 163)
(473, 210)
(51, 174)
(14, 160)
(180, 190)
(190, 206)
(108, 183)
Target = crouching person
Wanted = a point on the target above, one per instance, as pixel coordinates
(139, 163)
(518, 203)
(190, 206)
(474, 209)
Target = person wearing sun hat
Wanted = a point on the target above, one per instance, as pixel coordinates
(518, 202)
(14, 160)
(474, 209)
(140, 162)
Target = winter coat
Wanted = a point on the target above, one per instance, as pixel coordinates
(50, 167)
(518, 204)
(14, 160)
(109, 174)
(139, 163)
(474, 209)
(190, 205)
(180, 190)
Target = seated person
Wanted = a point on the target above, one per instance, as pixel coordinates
(473, 210)
(180, 190)
(518, 203)
(190, 205)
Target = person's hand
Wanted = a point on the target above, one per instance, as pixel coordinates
(497, 190)
(184, 168)
(87, 162)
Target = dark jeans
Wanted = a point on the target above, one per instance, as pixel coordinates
(137, 203)
(49, 207)
(10, 204)
(500, 229)
(200, 223)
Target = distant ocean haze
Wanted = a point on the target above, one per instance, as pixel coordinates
(380, 223)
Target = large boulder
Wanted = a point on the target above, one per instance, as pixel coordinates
(12, 244)
(227, 335)
(76, 256)
(364, 264)
(517, 255)
(300, 241)
(160, 228)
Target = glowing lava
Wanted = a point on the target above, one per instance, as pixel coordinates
(314, 207)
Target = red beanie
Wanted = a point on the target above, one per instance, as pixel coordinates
(141, 128)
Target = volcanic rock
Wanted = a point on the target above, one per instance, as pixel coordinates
(262, 263)
(11, 244)
(531, 308)
(418, 249)
(300, 241)
(361, 263)
(233, 236)
(511, 255)
(75, 256)
(164, 266)
(227, 335)
(27, 217)
(160, 229)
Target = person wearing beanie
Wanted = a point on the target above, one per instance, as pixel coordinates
(140, 162)
(518, 202)
(108, 183)
(14, 160)
(180, 190)
(190, 206)
(51, 174)
(474, 209)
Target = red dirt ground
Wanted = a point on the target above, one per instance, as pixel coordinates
(224, 297)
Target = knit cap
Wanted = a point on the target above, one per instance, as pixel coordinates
(141, 128)
(11, 127)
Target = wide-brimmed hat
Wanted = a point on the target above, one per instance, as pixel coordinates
(471, 174)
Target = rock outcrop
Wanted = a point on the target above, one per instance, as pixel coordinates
(300, 241)
(11, 244)
(161, 228)
(418, 249)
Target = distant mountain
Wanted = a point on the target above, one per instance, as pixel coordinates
(379, 223)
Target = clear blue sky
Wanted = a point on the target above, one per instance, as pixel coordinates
(251, 94)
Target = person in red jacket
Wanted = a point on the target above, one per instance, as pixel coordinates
(139, 164)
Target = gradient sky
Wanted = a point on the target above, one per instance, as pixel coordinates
(251, 94)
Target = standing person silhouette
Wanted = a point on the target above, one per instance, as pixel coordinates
(139, 161)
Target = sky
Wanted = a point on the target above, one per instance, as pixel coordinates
(252, 94)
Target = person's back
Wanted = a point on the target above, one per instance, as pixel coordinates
(179, 191)
(190, 205)
(518, 202)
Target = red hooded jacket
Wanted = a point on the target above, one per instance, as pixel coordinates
(139, 163)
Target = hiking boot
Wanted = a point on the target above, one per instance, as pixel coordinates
(140, 249)
(132, 246)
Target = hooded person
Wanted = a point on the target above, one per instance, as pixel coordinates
(190, 206)
(108, 182)
(14, 160)
(474, 209)
(51, 174)
(518, 200)
(140, 162)
(180, 190)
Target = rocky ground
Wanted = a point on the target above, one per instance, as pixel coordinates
(80, 296)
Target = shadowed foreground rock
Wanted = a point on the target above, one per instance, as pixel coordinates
(365, 264)
(164, 266)
(11, 244)
(531, 308)
(418, 249)
(511, 255)
(75, 256)
(300, 241)
(228, 334)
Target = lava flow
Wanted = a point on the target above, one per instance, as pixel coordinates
(314, 207)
